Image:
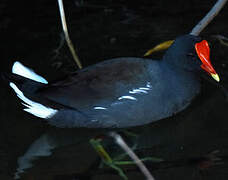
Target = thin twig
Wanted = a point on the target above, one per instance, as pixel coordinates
(132, 155)
(69, 43)
(208, 18)
(221, 39)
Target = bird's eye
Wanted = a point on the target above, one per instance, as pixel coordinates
(194, 58)
(191, 55)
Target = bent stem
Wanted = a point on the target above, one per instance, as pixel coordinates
(67, 37)
(96, 143)
(132, 155)
(208, 18)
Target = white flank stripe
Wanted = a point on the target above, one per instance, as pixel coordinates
(148, 85)
(99, 108)
(144, 88)
(21, 70)
(138, 91)
(34, 108)
(127, 97)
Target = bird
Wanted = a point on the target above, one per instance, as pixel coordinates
(118, 93)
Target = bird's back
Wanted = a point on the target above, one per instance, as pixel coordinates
(125, 92)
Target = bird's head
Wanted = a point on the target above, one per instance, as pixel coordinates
(191, 53)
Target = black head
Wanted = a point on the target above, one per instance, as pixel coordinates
(190, 53)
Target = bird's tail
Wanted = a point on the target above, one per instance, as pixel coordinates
(25, 82)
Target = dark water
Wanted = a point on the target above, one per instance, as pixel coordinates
(31, 33)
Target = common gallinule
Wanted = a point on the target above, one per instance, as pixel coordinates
(120, 92)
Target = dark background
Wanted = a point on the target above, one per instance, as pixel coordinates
(30, 32)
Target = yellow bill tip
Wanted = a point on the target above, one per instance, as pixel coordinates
(215, 77)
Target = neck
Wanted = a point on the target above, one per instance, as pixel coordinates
(178, 70)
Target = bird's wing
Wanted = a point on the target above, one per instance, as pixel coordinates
(104, 81)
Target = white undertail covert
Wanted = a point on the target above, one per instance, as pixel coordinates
(32, 107)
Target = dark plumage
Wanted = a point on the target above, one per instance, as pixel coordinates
(120, 92)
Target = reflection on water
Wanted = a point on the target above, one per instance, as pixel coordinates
(49, 143)
(184, 142)
(40, 148)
